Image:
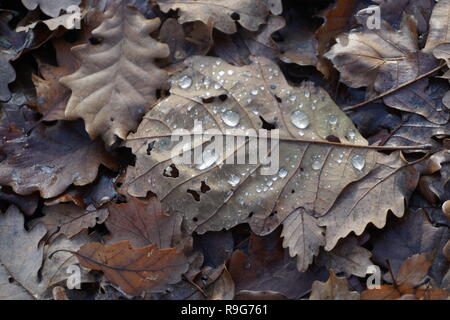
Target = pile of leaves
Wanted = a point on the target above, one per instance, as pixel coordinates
(95, 207)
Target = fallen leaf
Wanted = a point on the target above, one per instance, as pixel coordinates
(224, 13)
(20, 257)
(410, 275)
(387, 59)
(114, 88)
(69, 219)
(49, 7)
(44, 161)
(370, 199)
(334, 289)
(143, 222)
(134, 270)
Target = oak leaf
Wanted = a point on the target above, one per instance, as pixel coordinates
(249, 13)
(134, 270)
(45, 161)
(334, 288)
(21, 257)
(118, 78)
(143, 222)
(50, 7)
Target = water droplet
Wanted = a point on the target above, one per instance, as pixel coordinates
(358, 162)
(300, 119)
(231, 118)
(185, 82)
(292, 98)
(282, 173)
(333, 120)
(221, 73)
(234, 180)
(307, 94)
(230, 72)
(351, 134)
(254, 92)
(317, 165)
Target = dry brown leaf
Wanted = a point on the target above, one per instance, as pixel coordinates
(334, 288)
(370, 199)
(20, 257)
(347, 257)
(439, 32)
(386, 59)
(118, 78)
(267, 266)
(134, 270)
(336, 20)
(143, 222)
(224, 13)
(222, 288)
(69, 219)
(52, 96)
(409, 277)
(50, 7)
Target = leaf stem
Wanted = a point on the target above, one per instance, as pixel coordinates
(356, 106)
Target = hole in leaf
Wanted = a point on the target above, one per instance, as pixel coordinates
(171, 171)
(95, 41)
(332, 138)
(267, 125)
(250, 214)
(150, 147)
(278, 99)
(208, 100)
(195, 219)
(223, 97)
(204, 188)
(235, 16)
(194, 194)
(292, 191)
(10, 280)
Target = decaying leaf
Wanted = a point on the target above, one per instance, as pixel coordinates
(118, 78)
(11, 45)
(224, 13)
(253, 95)
(368, 200)
(267, 266)
(134, 270)
(50, 7)
(20, 257)
(44, 161)
(348, 257)
(386, 59)
(334, 289)
(69, 219)
(408, 281)
(52, 96)
(143, 222)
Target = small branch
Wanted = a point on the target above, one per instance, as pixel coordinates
(356, 106)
